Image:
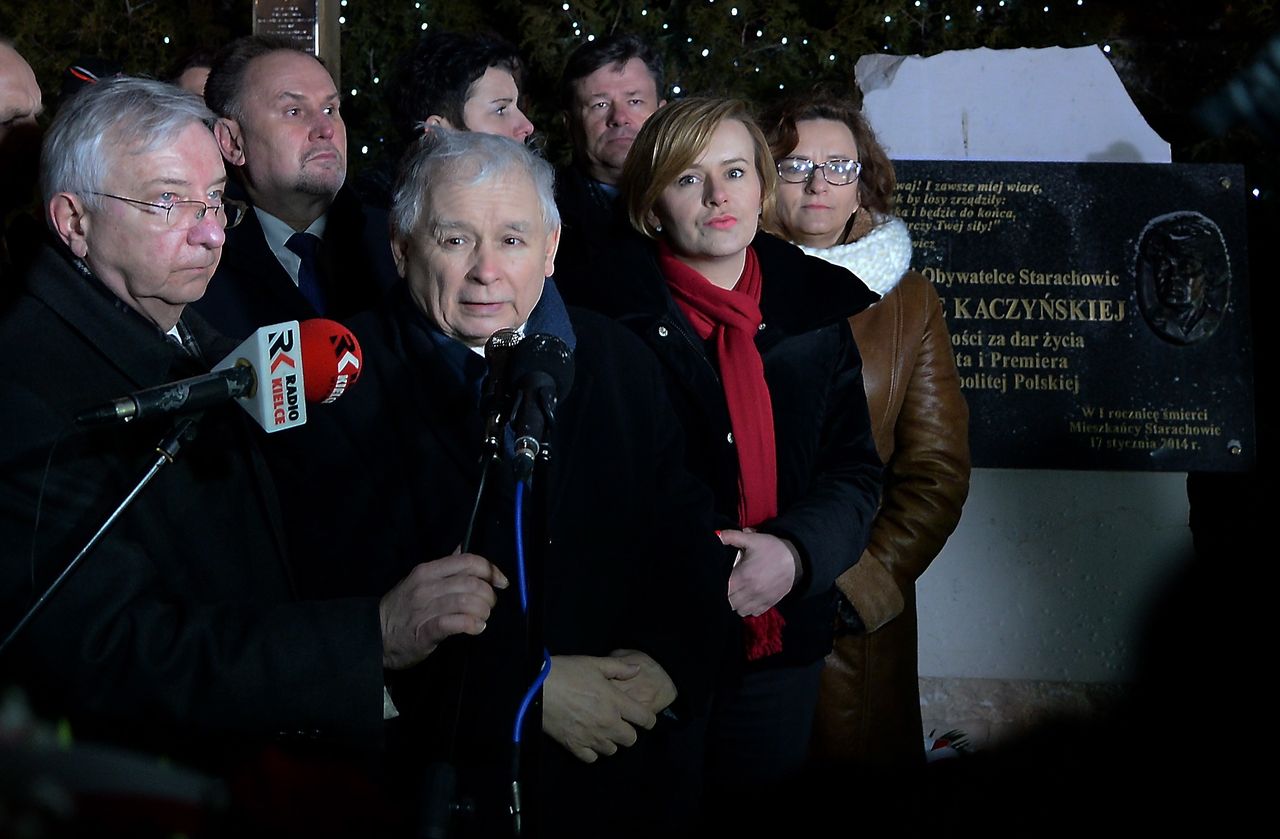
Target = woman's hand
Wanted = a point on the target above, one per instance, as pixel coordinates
(764, 572)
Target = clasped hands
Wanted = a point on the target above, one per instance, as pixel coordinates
(592, 705)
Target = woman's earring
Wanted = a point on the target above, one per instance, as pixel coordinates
(657, 228)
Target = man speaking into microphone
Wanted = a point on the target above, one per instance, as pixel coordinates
(626, 576)
(179, 632)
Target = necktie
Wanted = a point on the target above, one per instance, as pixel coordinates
(307, 247)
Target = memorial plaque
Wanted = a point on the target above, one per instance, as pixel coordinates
(1099, 312)
(310, 24)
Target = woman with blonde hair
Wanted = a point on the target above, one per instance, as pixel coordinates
(836, 200)
(766, 380)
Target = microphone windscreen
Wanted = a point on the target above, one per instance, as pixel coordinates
(543, 353)
(331, 359)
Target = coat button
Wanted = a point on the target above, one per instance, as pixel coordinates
(662, 332)
(729, 437)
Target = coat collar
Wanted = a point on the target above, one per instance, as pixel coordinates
(136, 347)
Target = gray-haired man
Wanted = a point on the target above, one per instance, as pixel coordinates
(179, 632)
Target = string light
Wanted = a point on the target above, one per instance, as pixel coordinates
(363, 149)
(342, 19)
(1106, 48)
(784, 40)
(888, 19)
(424, 27)
(734, 11)
(675, 88)
(705, 53)
(1257, 193)
(355, 92)
(166, 39)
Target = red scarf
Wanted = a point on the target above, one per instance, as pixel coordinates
(731, 318)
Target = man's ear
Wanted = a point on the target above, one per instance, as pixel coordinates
(230, 140)
(553, 244)
(70, 222)
(399, 246)
(434, 120)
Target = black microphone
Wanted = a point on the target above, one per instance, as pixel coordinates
(541, 373)
(193, 394)
(495, 399)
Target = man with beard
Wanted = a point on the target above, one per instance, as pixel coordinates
(310, 247)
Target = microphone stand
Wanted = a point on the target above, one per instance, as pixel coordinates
(183, 431)
(440, 780)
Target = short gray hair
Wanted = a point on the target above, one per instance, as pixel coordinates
(120, 115)
(444, 155)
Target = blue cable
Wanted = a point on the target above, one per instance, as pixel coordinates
(523, 584)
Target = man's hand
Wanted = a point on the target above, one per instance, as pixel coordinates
(584, 710)
(444, 597)
(765, 571)
(651, 687)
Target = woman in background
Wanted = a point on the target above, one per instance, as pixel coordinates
(835, 200)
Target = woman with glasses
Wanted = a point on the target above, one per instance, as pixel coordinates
(836, 200)
(766, 380)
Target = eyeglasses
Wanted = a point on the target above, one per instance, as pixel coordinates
(838, 171)
(183, 214)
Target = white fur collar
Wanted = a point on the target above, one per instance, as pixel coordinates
(879, 258)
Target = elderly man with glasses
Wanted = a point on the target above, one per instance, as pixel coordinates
(178, 632)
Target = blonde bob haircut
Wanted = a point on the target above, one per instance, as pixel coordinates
(671, 140)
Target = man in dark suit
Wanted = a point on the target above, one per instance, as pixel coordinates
(179, 631)
(609, 87)
(626, 575)
(310, 248)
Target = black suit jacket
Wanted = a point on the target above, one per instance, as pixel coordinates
(621, 551)
(252, 289)
(591, 221)
(179, 631)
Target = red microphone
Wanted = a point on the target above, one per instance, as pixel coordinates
(331, 359)
(272, 374)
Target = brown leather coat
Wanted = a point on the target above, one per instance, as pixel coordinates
(869, 706)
